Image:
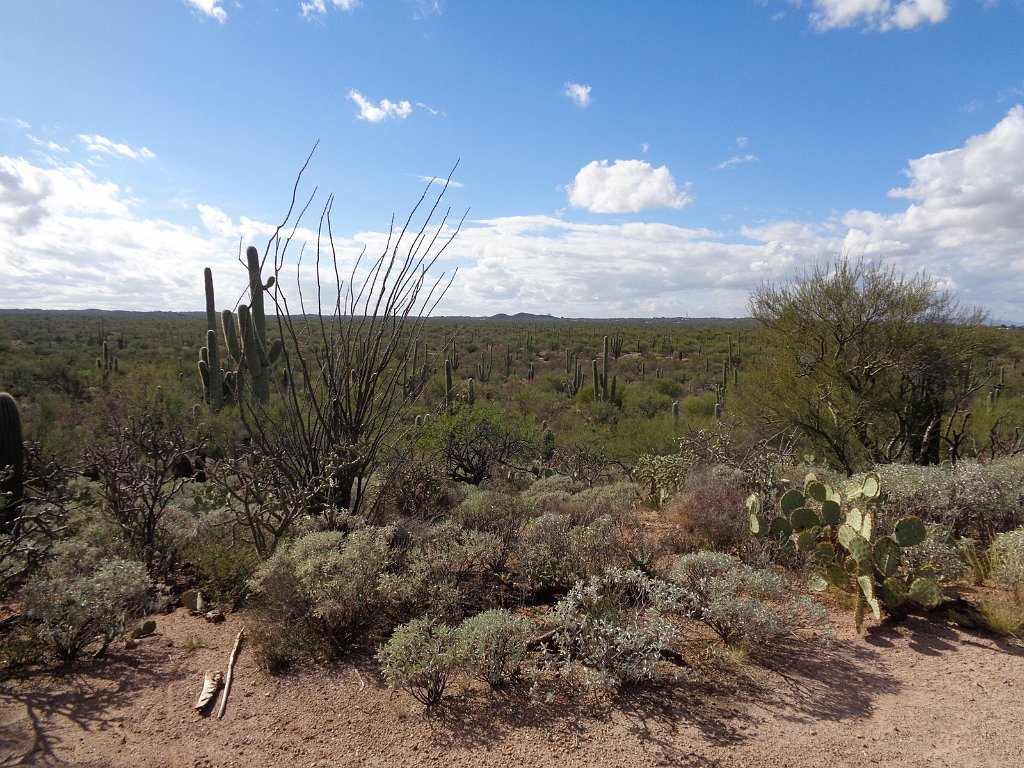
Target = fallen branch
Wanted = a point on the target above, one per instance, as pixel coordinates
(227, 678)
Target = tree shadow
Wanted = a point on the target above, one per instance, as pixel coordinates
(84, 695)
(712, 703)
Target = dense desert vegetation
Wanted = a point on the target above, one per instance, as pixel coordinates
(583, 503)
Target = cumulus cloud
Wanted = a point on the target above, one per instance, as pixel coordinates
(965, 221)
(319, 7)
(211, 8)
(881, 15)
(625, 186)
(375, 113)
(578, 93)
(103, 145)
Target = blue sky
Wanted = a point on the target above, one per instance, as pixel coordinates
(616, 159)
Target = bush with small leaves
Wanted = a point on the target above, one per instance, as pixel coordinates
(420, 657)
(492, 645)
(450, 571)
(325, 588)
(81, 595)
(744, 606)
(1007, 559)
(547, 555)
(611, 629)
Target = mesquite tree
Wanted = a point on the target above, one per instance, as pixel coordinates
(868, 365)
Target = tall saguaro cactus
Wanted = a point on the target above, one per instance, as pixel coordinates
(215, 375)
(260, 382)
(12, 455)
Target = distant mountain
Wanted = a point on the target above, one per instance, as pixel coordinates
(521, 317)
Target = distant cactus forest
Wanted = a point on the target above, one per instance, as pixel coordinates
(566, 502)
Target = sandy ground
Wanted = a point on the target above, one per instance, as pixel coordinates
(919, 694)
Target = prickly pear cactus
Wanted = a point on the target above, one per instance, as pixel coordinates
(852, 557)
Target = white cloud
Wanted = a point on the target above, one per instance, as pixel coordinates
(211, 8)
(103, 145)
(735, 160)
(375, 113)
(52, 146)
(881, 15)
(965, 221)
(578, 93)
(319, 7)
(644, 147)
(452, 184)
(625, 186)
(741, 141)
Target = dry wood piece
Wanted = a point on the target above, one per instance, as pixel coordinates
(231, 669)
(212, 682)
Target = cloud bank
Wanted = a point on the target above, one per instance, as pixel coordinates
(70, 238)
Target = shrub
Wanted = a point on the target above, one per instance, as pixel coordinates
(547, 556)
(420, 657)
(938, 555)
(973, 500)
(325, 589)
(80, 595)
(500, 514)
(611, 629)
(710, 513)
(492, 645)
(447, 572)
(1007, 559)
(744, 606)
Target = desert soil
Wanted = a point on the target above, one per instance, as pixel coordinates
(917, 694)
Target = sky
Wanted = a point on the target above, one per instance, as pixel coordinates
(607, 159)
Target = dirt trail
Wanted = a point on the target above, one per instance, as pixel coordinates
(919, 694)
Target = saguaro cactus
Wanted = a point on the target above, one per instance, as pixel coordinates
(215, 376)
(12, 456)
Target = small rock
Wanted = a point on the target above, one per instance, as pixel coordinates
(214, 617)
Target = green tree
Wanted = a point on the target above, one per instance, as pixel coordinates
(869, 365)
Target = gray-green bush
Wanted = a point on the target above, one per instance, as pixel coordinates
(325, 588)
(420, 657)
(80, 595)
(744, 606)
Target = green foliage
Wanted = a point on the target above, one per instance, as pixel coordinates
(661, 477)
(745, 606)
(847, 549)
(420, 657)
(325, 590)
(868, 364)
(81, 595)
(492, 645)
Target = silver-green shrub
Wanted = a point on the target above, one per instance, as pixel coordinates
(492, 645)
(326, 585)
(611, 629)
(745, 606)
(81, 595)
(421, 657)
